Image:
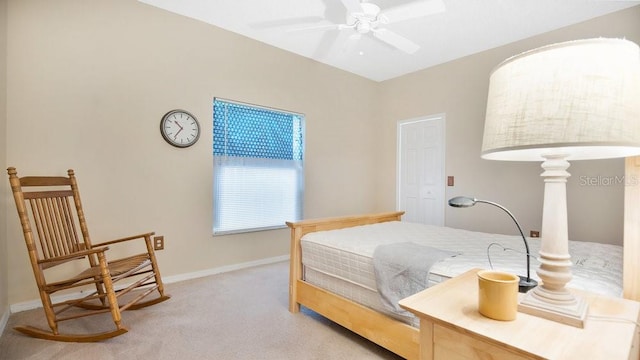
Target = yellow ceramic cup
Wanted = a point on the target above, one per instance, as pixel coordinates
(498, 294)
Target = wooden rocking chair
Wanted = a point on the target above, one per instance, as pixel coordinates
(50, 213)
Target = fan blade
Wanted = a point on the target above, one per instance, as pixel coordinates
(395, 40)
(326, 44)
(321, 27)
(412, 10)
(286, 22)
(333, 42)
(353, 6)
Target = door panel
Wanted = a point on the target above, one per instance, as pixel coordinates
(421, 170)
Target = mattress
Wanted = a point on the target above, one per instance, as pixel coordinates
(341, 260)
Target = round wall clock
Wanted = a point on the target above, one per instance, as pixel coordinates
(179, 128)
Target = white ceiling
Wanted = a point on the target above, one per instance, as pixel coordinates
(465, 27)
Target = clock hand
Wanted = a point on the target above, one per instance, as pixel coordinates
(178, 124)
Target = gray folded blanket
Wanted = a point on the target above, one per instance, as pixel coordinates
(402, 269)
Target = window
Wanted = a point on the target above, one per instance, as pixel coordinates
(258, 173)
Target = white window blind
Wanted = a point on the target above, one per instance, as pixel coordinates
(257, 167)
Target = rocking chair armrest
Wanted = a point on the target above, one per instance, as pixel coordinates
(139, 236)
(75, 255)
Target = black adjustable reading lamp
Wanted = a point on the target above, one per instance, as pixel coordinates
(526, 283)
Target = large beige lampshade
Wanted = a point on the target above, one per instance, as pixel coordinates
(578, 98)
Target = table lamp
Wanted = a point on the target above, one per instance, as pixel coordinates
(574, 100)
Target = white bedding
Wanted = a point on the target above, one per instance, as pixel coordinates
(341, 260)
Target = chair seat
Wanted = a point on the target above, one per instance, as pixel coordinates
(129, 264)
(126, 266)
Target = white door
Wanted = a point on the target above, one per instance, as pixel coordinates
(420, 171)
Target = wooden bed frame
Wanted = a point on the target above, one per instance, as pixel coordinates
(392, 334)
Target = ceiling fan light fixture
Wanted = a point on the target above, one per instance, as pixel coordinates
(366, 19)
(363, 27)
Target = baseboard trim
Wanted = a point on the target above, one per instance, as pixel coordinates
(223, 269)
(34, 304)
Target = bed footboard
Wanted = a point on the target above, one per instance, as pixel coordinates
(301, 228)
(383, 330)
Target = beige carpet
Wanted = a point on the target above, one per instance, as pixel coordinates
(236, 315)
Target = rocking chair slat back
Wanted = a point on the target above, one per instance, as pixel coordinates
(54, 214)
(55, 226)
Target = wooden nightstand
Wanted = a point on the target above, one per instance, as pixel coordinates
(451, 328)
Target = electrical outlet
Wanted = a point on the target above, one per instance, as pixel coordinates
(158, 243)
(534, 234)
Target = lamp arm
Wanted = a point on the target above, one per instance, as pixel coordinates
(526, 244)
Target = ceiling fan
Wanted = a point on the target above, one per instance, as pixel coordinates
(367, 18)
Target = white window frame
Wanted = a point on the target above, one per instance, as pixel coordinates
(250, 208)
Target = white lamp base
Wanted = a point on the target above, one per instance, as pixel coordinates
(551, 299)
(571, 313)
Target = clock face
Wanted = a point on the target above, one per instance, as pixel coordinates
(179, 128)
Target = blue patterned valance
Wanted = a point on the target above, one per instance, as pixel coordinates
(246, 131)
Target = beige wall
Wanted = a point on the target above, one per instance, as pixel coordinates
(459, 89)
(4, 288)
(88, 82)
